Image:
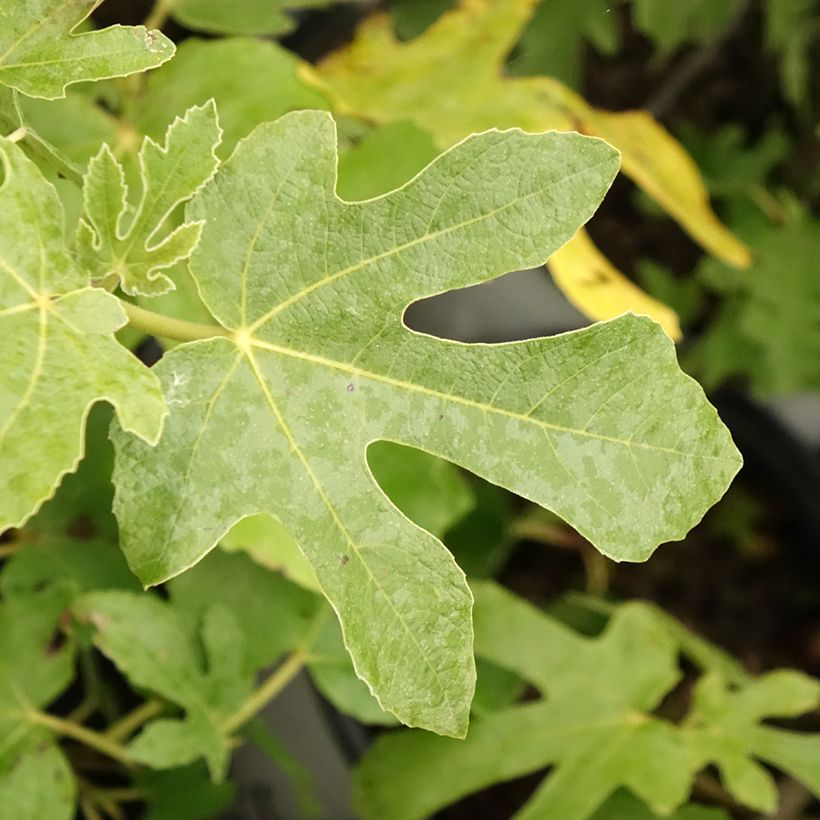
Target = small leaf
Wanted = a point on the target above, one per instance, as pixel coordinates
(113, 241)
(61, 355)
(41, 57)
(320, 365)
(274, 615)
(726, 728)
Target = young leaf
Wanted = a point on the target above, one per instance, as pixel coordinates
(41, 57)
(135, 250)
(451, 82)
(147, 641)
(61, 355)
(319, 365)
(275, 616)
(769, 330)
(727, 729)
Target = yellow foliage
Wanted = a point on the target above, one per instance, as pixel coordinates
(451, 82)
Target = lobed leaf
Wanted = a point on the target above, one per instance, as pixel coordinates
(147, 641)
(726, 728)
(114, 241)
(594, 726)
(61, 355)
(277, 418)
(40, 55)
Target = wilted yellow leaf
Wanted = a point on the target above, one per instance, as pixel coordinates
(595, 286)
(451, 82)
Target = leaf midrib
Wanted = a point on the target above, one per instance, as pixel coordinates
(288, 433)
(359, 372)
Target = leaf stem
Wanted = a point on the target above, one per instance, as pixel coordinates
(84, 735)
(129, 723)
(159, 14)
(275, 683)
(155, 324)
(17, 134)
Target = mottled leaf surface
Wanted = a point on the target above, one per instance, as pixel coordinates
(131, 245)
(277, 418)
(60, 355)
(40, 56)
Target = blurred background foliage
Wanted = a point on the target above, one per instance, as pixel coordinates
(732, 96)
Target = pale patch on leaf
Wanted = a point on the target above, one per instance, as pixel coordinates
(114, 240)
(40, 57)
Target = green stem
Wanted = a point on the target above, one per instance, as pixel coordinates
(159, 14)
(83, 735)
(129, 723)
(155, 324)
(278, 680)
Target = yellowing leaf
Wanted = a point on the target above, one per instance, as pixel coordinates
(450, 81)
(595, 286)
